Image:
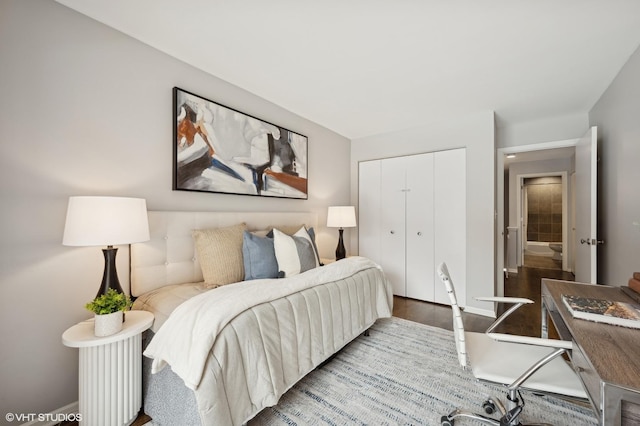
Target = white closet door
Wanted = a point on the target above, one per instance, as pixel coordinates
(419, 230)
(450, 220)
(392, 222)
(369, 197)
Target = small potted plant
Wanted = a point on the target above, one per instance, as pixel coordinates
(108, 309)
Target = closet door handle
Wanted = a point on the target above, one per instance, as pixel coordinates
(419, 234)
(393, 232)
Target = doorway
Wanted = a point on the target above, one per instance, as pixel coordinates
(552, 158)
(543, 222)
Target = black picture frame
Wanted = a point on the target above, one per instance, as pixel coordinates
(222, 150)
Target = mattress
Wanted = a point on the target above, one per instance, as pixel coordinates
(162, 301)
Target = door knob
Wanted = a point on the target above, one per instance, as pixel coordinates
(419, 234)
(393, 232)
(593, 242)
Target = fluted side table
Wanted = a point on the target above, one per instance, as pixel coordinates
(110, 370)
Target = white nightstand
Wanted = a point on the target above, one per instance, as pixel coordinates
(110, 382)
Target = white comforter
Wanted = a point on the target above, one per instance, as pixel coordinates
(187, 337)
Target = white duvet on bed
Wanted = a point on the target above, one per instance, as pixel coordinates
(187, 336)
(242, 346)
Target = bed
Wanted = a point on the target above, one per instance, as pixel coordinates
(224, 346)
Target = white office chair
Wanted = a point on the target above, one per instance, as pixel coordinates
(516, 361)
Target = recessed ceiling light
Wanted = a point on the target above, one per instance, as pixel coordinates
(511, 156)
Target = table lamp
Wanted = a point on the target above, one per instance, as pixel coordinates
(106, 221)
(341, 217)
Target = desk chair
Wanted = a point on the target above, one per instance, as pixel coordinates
(516, 361)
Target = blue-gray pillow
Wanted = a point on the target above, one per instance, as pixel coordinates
(259, 257)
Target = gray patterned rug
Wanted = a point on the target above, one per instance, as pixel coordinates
(404, 373)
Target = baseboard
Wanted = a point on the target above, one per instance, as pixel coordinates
(478, 311)
(62, 414)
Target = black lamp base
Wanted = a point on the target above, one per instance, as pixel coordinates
(110, 276)
(341, 253)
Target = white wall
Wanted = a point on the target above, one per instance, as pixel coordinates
(87, 110)
(542, 130)
(617, 115)
(476, 133)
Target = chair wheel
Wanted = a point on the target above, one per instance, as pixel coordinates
(489, 407)
(445, 421)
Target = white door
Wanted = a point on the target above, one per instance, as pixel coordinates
(450, 218)
(586, 191)
(419, 233)
(369, 210)
(392, 222)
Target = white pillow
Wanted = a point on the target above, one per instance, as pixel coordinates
(295, 253)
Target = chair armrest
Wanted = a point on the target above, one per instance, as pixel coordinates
(504, 299)
(516, 301)
(551, 343)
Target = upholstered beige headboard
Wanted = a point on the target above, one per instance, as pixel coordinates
(169, 257)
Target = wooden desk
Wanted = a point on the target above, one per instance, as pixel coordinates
(606, 357)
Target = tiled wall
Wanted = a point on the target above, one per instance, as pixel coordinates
(544, 197)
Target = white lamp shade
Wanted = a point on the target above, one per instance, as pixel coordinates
(341, 217)
(105, 221)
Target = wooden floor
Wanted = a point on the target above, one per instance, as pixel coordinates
(542, 262)
(139, 421)
(526, 321)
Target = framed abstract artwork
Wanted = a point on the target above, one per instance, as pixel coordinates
(219, 149)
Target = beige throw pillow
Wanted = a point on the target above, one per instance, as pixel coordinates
(219, 252)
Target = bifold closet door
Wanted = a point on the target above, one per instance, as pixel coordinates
(412, 215)
(369, 209)
(450, 229)
(419, 227)
(392, 222)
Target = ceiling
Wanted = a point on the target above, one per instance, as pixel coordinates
(364, 67)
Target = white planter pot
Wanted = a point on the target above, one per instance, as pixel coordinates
(106, 325)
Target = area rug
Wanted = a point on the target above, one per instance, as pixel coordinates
(404, 373)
